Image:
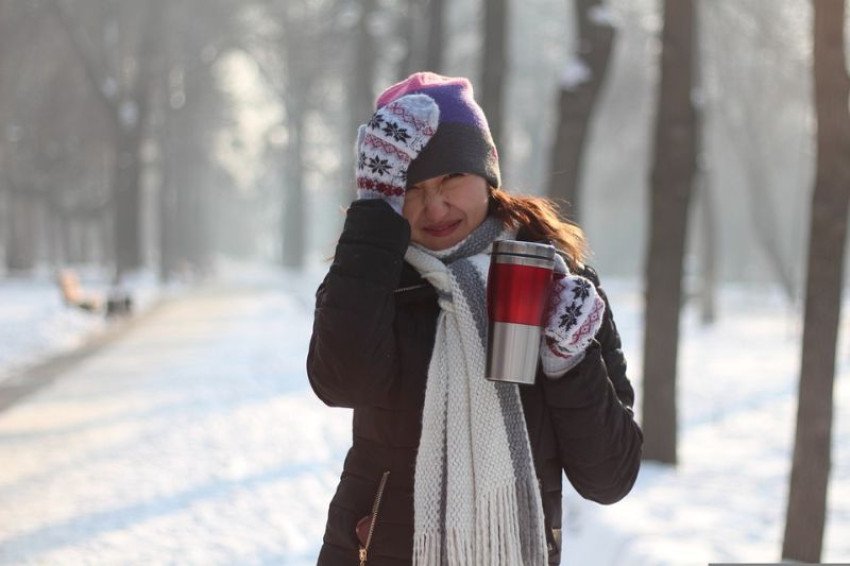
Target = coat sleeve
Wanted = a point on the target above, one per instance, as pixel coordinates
(352, 359)
(599, 442)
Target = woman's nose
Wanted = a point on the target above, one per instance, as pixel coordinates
(435, 206)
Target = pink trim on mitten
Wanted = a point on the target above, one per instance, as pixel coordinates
(574, 316)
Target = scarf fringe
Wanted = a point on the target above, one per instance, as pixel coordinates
(460, 548)
(523, 540)
(506, 545)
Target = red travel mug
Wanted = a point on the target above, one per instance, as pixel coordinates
(518, 288)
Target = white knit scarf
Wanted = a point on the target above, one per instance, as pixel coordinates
(476, 496)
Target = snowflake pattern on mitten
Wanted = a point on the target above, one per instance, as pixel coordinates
(386, 145)
(573, 317)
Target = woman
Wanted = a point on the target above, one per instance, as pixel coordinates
(447, 467)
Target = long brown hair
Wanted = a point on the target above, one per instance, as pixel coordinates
(542, 219)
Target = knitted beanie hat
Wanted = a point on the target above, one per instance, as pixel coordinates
(463, 143)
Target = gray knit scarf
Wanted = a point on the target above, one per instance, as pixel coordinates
(476, 497)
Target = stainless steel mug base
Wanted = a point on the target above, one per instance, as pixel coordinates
(513, 352)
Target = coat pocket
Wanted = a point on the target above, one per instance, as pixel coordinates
(365, 527)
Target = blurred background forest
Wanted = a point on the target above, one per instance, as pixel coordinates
(164, 135)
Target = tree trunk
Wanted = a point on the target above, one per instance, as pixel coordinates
(766, 223)
(167, 205)
(53, 232)
(436, 42)
(708, 255)
(293, 228)
(806, 512)
(672, 180)
(128, 162)
(706, 198)
(495, 68)
(179, 196)
(126, 199)
(408, 34)
(22, 233)
(190, 192)
(581, 84)
(166, 198)
(361, 95)
(363, 73)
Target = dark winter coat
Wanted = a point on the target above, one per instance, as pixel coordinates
(373, 334)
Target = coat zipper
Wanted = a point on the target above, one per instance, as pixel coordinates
(409, 288)
(375, 507)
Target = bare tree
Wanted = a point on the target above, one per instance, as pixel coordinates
(580, 87)
(361, 78)
(755, 37)
(90, 74)
(293, 55)
(422, 30)
(74, 162)
(672, 184)
(54, 146)
(123, 90)
(705, 205)
(408, 24)
(494, 68)
(708, 276)
(189, 111)
(804, 526)
(19, 226)
(434, 52)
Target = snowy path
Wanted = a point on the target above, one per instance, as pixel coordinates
(194, 440)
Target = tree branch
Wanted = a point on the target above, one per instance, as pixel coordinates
(84, 50)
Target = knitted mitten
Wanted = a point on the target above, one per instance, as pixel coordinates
(393, 138)
(573, 317)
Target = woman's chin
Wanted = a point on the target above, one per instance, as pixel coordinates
(439, 244)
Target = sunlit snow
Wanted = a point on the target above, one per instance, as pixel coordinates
(195, 438)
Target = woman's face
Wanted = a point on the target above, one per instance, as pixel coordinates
(444, 210)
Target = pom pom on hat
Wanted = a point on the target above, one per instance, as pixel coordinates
(463, 143)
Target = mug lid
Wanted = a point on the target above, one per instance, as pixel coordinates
(525, 249)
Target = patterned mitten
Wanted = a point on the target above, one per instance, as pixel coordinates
(386, 145)
(573, 317)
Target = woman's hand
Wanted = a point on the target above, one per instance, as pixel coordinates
(394, 136)
(572, 319)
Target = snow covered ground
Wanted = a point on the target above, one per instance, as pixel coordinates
(34, 323)
(196, 438)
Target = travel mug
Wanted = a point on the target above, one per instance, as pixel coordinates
(518, 288)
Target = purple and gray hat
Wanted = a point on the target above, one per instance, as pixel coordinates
(463, 143)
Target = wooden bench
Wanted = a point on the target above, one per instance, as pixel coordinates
(73, 294)
(118, 301)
